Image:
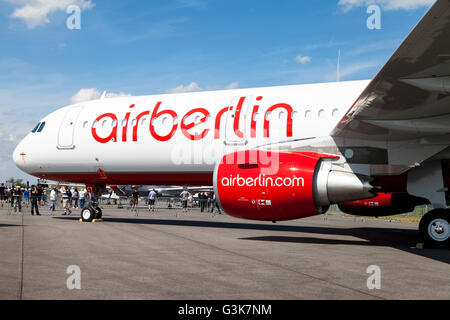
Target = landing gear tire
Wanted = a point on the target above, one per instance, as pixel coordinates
(435, 228)
(98, 213)
(87, 214)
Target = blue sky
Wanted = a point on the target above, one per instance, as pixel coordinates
(144, 47)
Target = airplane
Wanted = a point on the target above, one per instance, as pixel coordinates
(374, 147)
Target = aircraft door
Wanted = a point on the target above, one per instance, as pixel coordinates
(67, 128)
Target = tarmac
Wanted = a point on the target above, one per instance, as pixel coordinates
(173, 255)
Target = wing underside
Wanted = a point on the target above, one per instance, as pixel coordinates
(405, 110)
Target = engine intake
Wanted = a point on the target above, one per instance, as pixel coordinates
(274, 186)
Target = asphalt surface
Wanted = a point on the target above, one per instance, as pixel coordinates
(174, 255)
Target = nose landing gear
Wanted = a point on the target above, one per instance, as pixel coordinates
(92, 210)
(90, 213)
(434, 228)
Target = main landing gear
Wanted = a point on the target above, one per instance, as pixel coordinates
(434, 228)
(427, 181)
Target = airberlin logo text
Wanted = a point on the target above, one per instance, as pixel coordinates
(262, 181)
(186, 127)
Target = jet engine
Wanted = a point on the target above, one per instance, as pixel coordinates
(384, 204)
(274, 186)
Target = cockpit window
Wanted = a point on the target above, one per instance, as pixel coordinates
(41, 127)
(35, 128)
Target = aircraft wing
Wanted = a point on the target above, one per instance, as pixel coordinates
(405, 110)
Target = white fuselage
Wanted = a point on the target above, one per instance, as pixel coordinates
(176, 134)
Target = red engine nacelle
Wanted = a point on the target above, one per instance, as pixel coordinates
(384, 204)
(273, 186)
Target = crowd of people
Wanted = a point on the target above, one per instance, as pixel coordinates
(206, 200)
(17, 197)
(36, 196)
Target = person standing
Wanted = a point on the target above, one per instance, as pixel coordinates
(151, 200)
(10, 194)
(202, 199)
(2, 194)
(184, 199)
(208, 200)
(26, 197)
(75, 197)
(34, 200)
(39, 197)
(53, 199)
(135, 200)
(65, 198)
(17, 198)
(82, 198)
(70, 194)
(214, 204)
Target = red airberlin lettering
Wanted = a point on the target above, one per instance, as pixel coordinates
(125, 127)
(237, 117)
(289, 110)
(112, 135)
(155, 116)
(186, 127)
(138, 118)
(218, 119)
(253, 120)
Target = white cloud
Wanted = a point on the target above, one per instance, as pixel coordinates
(348, 5)
(117, 95)
(194, 87)
(303, 59)
(85, 95)
(36, 12)
(232, 85)
(93, 94)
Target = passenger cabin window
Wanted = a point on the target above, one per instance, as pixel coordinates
(321, 113)
(307, 114)
(335, 113)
